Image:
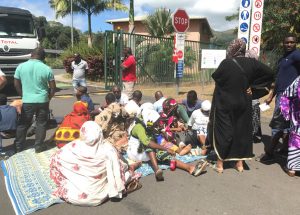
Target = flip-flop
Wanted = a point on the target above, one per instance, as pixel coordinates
(159, 175)
(133, 186)
(199, 168)
(217, 169)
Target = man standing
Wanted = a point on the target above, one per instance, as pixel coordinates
(32, 82)
(288, 71)
(2, 80)
(128, 72)
(79, 67)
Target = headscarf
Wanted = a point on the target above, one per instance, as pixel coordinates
(69, 128)
(91, 133)
(80, 108)
(169, 105)
(149, 117)
(236, 48)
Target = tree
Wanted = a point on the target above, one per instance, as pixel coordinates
(159, 24)
(58, 36)
(88, 7)
(280, 17)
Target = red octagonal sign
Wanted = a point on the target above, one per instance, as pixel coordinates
(180, 21)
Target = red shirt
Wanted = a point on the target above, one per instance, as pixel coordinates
(129, 73)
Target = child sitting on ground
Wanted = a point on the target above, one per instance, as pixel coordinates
(198, 123)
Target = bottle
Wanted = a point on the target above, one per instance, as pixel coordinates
(173, 164)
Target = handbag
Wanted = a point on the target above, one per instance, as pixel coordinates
(257, 91)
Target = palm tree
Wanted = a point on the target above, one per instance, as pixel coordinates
(159, 24)
(131, 16)
(88, 7)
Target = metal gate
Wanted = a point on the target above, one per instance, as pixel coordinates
(154, 59)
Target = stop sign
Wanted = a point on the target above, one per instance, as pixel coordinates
(180, 21)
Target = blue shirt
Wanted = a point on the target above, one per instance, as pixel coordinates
(190, 109)
(8, 118)
(288, 70)
(88, 100)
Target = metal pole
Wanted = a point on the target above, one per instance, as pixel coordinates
(72, 36)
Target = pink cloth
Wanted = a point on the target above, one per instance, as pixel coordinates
(87, 171)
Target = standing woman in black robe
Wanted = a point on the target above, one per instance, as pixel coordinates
(230, 129)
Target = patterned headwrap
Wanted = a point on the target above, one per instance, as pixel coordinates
(236, 48)
(168, 106)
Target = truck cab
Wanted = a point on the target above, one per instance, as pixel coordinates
(18, 37)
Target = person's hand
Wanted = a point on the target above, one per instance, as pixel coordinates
(268, 100)
(171, 152)
(249, 91)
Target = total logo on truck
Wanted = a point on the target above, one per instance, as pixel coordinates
(18, 37)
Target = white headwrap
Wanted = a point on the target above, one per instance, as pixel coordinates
(149, 117)
(91, 133)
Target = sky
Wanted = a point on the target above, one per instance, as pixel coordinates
(214, 10)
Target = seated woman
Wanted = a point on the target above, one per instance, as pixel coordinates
(143, 147)
(69, 128)
(88, 171)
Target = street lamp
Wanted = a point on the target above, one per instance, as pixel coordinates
(72, 37)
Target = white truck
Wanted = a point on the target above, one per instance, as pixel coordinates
(18, 37)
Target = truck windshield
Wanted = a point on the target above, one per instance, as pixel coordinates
(16, 26)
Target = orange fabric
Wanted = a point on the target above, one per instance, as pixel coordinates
(71, 124)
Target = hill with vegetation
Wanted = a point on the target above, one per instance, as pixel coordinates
(223, 38)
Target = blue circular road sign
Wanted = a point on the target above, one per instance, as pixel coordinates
(244, 27)
(245, 15)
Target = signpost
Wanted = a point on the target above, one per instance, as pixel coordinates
(181, 22)
(256, 25)
(244, 20)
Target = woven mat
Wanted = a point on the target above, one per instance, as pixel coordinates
(28, 182)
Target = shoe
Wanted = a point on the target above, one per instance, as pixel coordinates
(159, 175)
(200, 168)
(18, 149)
(265, 158)
(40, 149)
(4, 155)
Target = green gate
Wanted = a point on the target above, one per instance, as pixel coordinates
(154, 59)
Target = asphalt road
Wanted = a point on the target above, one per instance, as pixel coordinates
(263, 189)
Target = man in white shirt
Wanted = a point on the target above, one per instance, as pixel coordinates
(79, 67)
(3, 80)
(121, 98)
(199, 120)
(159, 98)
(133, 106)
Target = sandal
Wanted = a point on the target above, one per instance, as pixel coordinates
(159, 175)
(199, 168)
(133, 186)
(217, 169)
(289, 172)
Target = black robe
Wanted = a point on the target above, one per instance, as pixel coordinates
(230, 127)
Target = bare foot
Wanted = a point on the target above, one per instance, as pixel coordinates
(239, 166)
(185, 150)
(134, 166)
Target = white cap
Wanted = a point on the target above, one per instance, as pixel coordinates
(206, 105)
(149, 116)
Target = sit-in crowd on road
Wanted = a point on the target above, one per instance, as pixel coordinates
(102, 147)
